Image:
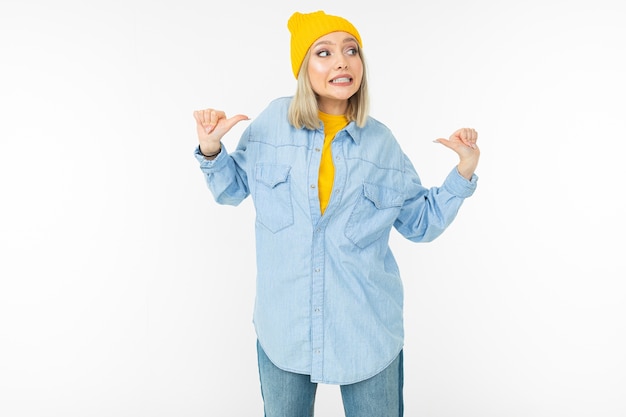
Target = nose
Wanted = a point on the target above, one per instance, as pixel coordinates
(342, 63)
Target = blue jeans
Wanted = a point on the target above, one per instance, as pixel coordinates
(286, 394)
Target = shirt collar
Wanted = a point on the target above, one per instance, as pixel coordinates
(354, 132)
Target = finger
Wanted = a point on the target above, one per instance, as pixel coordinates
(205, 117)
(473, 137)
(216, 115)
(467, 136)
(444, 142)
(206, 120)
(200, 125)
(199, 116)
(458, 135)
(214, 119)
(235, 119)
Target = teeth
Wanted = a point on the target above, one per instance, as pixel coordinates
(341, 80)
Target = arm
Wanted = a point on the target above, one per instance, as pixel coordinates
(428, 212)
(224, 175)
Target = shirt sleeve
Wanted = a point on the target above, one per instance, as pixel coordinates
(427, 212)
(226, 174)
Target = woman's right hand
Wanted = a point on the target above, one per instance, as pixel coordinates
(212, 125)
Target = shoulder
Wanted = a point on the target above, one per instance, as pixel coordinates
(376, 132)
(375, 124)
(273, 115)
(376, 128)
(272, 125)
(378, 145)
(278, 107)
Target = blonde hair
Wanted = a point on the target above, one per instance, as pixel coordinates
(303, 110)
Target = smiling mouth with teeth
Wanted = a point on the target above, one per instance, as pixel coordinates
(341, 80)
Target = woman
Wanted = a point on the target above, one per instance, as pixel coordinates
(328, 183)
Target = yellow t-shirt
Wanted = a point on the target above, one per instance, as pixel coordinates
(332, 124)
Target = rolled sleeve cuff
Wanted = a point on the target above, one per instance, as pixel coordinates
(207, 166)
(460, 186)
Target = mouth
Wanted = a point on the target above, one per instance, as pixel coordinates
(341, 80)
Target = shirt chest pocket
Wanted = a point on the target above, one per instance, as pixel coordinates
(373, 215)
(272, 201)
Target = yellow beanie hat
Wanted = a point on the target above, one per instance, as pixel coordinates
(307, 28)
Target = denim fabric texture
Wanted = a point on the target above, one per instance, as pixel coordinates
(329, 297)
(287, 394)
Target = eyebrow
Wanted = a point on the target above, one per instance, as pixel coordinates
(346, 40)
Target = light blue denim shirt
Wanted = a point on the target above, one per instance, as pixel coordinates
(329, 297)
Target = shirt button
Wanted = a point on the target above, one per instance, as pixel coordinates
(317, 351)
(312, 185)
(317, 149)
(317, 270)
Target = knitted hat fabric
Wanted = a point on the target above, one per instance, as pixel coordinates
(306, 28)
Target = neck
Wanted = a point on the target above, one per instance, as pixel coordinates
(332, 106)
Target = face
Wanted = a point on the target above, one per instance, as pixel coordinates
(335, 70)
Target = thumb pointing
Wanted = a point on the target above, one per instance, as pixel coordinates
(235, 119)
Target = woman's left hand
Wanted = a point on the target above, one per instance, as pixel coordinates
(463, 142)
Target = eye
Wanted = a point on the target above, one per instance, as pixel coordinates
(352, 51)
(323, 53)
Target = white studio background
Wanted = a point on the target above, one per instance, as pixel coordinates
(126, 291)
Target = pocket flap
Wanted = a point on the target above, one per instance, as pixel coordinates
(382, 197)
(271, 174)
